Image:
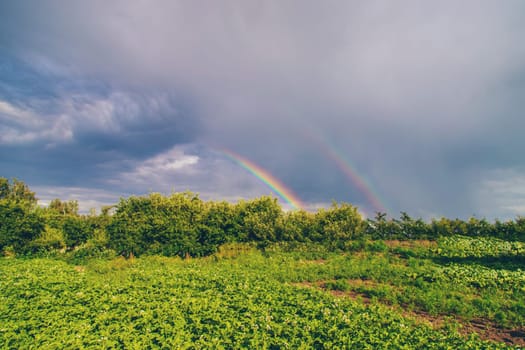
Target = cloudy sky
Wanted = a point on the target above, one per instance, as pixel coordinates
(413, 106)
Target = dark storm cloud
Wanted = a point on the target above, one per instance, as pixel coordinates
(73, 130)
(424, 98)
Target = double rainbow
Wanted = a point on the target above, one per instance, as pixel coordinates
(278, 187)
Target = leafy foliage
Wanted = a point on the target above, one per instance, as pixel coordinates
(18, 225)
(17, 192)
(158, 224)
(156, 302)
(182, 224)
(241, 297)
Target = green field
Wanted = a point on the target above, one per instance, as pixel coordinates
(456, 293)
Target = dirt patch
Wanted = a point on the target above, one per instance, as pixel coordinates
(357, 282)
(318, 261)
(338, 293)
(490, 331)
(80, 268)
(353, 295)
(485, 329)
(419, 243)
(312, 262)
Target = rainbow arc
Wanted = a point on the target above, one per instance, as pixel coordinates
(350, 171)
(271, 181)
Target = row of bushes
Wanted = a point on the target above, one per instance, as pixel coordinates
(183, 224)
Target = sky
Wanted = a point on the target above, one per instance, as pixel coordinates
(414, 106)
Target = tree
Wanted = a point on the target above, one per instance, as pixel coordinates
(378, 228)
(339, 224)
(158, 224)
(298, 226)
(64, 208)
(219, 225)
(76, 231)
(19, 223)
(17, 191)
(17, 226)
(413, 229)
(259, 218)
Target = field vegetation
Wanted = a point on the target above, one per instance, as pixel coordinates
(166, 272)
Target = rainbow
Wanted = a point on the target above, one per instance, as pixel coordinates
(348, 169)
(278, 187)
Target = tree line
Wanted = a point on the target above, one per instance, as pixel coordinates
(183, 224)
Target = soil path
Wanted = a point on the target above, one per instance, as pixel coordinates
(485, 329)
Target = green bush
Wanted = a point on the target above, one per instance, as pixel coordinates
(19, 225)
(51, 239)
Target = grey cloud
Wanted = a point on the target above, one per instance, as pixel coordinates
(190, 167)
(501, 193)
(88, 198)
(21, 126)
(424, 98)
